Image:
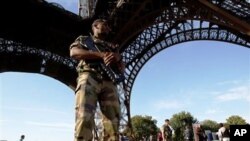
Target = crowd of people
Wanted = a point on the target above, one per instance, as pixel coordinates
(193, 133)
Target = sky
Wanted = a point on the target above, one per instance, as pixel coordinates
(209, 79)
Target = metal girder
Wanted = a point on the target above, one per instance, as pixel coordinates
(133, 17)
(240, 24)
(40, 24)
(179, 22)
(17, 56)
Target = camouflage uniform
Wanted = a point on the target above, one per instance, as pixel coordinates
(167, 133)
(92, 86)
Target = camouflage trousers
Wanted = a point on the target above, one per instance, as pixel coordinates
(90, 90)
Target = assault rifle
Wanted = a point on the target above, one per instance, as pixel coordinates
(115, 77)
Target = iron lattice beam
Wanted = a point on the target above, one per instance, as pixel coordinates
(131, 18)
(41, 24)
(23, 58)
(146, 46)
(180, 21)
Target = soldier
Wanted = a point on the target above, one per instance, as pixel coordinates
(94, 85)
(167, 131)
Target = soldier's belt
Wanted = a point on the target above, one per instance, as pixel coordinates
(94, 74)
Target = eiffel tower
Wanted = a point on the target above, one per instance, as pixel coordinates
(40, 33)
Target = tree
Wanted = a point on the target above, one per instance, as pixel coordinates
(179, 121)
(210, 125)
(235, 120)
(143, 126)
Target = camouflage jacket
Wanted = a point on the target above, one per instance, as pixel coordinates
(91, 65)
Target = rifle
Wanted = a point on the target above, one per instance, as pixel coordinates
(115, 77)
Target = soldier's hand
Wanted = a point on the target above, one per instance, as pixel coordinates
(111, 57)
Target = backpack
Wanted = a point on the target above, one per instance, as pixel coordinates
(226, 133)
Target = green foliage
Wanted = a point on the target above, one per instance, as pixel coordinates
(179, 121)
(143, 126)
(235, 120)
(210, 125)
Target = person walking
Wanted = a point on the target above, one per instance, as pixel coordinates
(200, 134)
(167, 131)
(188, 133)
(223, 133)
(22, 137)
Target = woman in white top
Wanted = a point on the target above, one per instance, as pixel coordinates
(223, 133)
